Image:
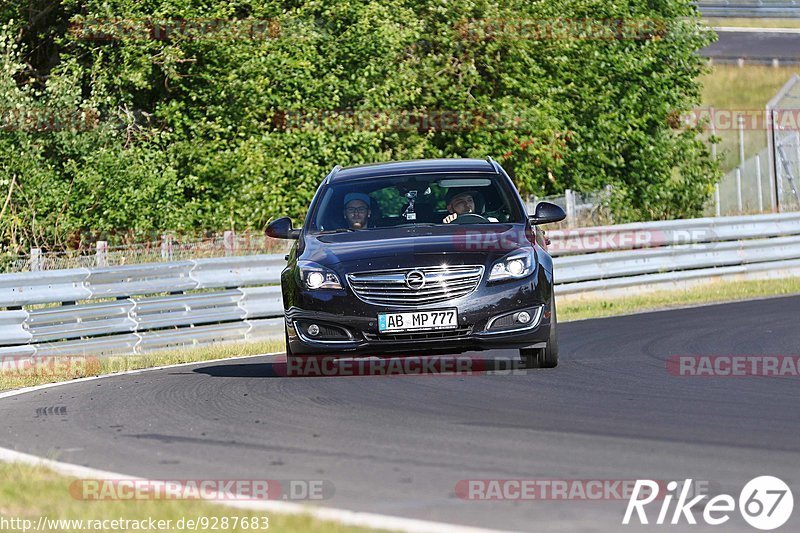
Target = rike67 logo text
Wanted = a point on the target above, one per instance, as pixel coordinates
(765, 503)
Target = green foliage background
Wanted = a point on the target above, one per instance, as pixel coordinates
(185, 134)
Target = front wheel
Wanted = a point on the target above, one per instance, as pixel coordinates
(544, 357)
(289, 353)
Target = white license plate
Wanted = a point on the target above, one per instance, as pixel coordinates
(418, 320)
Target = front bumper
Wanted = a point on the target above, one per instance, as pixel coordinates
(476, 311)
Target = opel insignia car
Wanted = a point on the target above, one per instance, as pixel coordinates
(419, 258)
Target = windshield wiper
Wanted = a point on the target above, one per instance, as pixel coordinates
(415, 225)
(338, 230)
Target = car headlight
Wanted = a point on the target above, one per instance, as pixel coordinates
(513, 266)
(316, 276)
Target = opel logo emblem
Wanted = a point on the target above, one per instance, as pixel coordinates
(415, 280)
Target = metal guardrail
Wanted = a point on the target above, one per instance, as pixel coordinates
(671, 232)
(131, 315)
(652, 255)
(749, 8)
(141, 308)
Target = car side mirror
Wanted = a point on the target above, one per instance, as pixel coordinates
(282, 229)
(547, 213)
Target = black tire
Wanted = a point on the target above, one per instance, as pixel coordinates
(286, 340)
(293, 364)
(544, 357)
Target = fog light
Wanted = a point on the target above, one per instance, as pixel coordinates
(313, 330)
(523, 317)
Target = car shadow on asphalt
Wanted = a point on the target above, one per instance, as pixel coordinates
(330, 367)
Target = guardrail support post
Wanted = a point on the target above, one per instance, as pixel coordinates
(101, 259)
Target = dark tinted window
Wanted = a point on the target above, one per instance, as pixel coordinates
(417, 199)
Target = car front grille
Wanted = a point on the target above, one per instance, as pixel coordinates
(389, 287)
(419, 335)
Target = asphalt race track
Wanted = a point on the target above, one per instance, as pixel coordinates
(752, 45)
(398, 445)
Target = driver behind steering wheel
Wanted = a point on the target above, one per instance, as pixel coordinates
(461, 203)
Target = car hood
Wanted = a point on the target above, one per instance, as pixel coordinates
(401, 247)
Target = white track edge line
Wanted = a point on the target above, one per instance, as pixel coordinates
(736, 29)
(15, 392)
(342, 516)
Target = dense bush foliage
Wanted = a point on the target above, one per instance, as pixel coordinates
(230, 127)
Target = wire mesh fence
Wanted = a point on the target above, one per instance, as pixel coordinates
(760, 151)
(784, 112)
(167, 248)
(582, 208)
(745, 189)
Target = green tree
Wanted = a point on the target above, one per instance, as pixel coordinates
(232, 125)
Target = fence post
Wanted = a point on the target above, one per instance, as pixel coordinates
(36, 259)
(739, 189)
(797, 152)
(758, 184)
(101, 259)
(228, 242)
(713, 134)
(740, 120)
(606, 203)
(569, 196)
(772, 160)
(166, 247)
(740, 170)
(717, 206)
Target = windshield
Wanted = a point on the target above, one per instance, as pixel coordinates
(434, 199)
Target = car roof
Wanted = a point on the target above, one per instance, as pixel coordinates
(418, 166)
